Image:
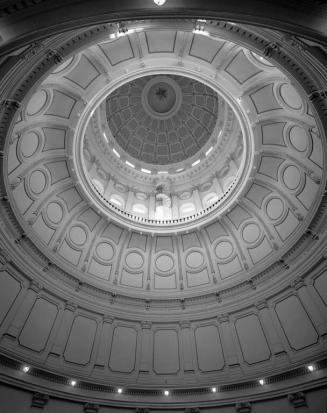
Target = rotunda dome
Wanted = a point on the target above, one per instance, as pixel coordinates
(166, 202)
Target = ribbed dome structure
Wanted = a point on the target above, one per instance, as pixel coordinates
(163, 221)
(162, 119)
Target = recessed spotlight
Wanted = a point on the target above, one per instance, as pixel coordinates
(311, 367)
(119, 391)
(159, 2)
(196, 162)
(262, 382)
(214, 389)
(73, 383)
(146, 171)
(166, 392)
(26, 369)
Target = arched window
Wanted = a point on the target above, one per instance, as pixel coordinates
(140, 209)
(187, 209)
(117, 200)
(98, 186)
(210, 199)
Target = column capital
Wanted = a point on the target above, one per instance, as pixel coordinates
(146, 325)
(39, 400)
(297, 399)
(243, 408)
(91, 408)
(223, 318)
(260, 305)
(298, 283)
(185, 324)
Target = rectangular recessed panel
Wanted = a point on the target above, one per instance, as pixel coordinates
(99, 270)
(260, 251)
(272, 134)
(81, 339)
(296, 323)
(164, 282)
(61, 105)
(166, 352)
(214, 231)
(230, 268)
(113, 232)
(205, 48)
(118, 51)
(38, 326)
(197, 278)
(287, 227)
(123, 350)
(84, 73)
(320, 285)
(252, 339)
(264, 99)
(241, 69)
(54, 138)
(161, 41)
(9, 289)
(209, 350)
(41, 228)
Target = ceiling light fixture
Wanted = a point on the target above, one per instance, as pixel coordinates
(146, 171)
(26, 369)
(129, 164)
(115, 152)
(73, 383)
(159, 2)
(262, 382)
(209, 150)
(166, 392)
(196, 162)
(311, 367)
(214, 389)
(119, 391)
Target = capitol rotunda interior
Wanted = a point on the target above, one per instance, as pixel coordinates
(163, 206)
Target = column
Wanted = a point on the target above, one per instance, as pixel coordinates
(23, 310)
(129, 201)
(174, 207)
(146, 350)
(187, 345)
(298, 402)
(197, 200)
(228, 342)
(310, 305)
(105, 342)
(271, 333)
(64, 329)
(152, 207)
(218, 188)
(108, 189)
(39, 401)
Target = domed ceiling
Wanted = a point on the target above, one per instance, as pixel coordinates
(172, 266)
(162, 119)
